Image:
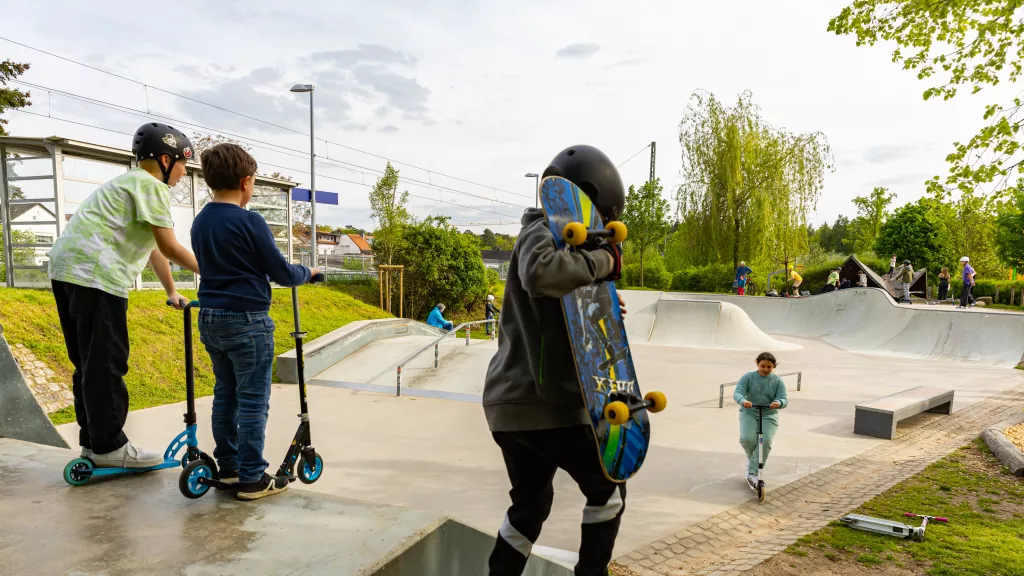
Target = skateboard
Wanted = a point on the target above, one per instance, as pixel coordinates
(593, 318)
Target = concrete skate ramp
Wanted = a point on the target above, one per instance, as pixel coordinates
(143, 525)
(868, 320)
(21, 417)
(707, 324)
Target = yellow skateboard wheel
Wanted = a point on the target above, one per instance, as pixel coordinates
(656, 401)
(574, 233)
(618, 232)
(616, 412)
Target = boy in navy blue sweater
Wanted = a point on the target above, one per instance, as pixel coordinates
(236, 253)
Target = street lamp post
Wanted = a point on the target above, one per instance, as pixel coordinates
(536, 187)
(312, 174)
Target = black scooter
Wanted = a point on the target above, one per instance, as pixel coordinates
(310, 464)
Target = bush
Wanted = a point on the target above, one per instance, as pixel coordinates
(656, 276)
(708, 278)
(984, 287)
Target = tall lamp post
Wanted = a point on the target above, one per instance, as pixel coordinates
(312, 174)
(536, 187)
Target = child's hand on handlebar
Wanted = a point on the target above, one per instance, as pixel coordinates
(176, 300)
(747, 404)
(775, 404)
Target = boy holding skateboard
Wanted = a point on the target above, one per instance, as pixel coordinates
(531, 396)
(237, 255)
(125, 223)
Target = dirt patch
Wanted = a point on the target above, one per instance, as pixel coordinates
(1016, 435)
(816, 564)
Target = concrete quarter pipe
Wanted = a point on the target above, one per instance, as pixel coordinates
(864, 320)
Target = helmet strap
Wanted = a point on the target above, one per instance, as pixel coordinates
(167, 171)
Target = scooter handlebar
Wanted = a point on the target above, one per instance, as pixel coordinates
(185, 303)
(936, 518)
(318, 278)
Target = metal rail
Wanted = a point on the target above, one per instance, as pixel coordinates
(721, 387)
(436, 344)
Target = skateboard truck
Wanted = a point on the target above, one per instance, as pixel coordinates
(889, 527)
(622, 405)
(575, 233)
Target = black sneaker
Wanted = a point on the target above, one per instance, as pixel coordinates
(229, 479)
(266, 486)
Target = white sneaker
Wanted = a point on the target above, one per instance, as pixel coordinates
(127, 456)
(86, 453)
(752, 481)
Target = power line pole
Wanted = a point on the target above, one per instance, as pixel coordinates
(654, 145)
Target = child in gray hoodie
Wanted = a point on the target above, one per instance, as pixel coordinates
(531, 396)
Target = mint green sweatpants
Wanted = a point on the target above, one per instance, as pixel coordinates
(748, 438)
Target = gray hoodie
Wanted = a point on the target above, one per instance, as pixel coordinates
(531, 383)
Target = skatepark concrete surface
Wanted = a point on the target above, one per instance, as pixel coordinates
(436, 455)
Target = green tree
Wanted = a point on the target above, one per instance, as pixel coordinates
(965, 227)
(646, 218)
(11, 98)
(871, 212)
(387, 207)
(1009, 229)
(954, 43)
(748, 187)
(834, 238)
(441, 265)
(911, 235)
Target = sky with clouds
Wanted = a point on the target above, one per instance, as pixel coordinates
(467, 97)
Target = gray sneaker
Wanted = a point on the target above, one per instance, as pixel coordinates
(86, 453)
(127, 456)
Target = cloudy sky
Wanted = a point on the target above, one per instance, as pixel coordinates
(467, 97)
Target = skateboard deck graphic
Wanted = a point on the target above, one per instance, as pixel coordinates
(604, 364)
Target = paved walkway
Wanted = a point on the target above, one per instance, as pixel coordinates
(743, 537)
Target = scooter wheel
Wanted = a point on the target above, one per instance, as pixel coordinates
(188, 481)
(310, 472)
(618, 232)
(657, 401)
(574, 233)
(78, 471)
(761, 491)
(616, 412)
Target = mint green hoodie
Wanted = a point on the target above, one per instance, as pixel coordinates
(761, 390)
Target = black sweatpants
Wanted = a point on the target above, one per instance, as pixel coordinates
(531, 458)
(95, 326)
(965, 295)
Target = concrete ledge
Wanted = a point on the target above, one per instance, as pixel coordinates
(21, 417)
(329, 349)
(879, 417)
(1003, 448)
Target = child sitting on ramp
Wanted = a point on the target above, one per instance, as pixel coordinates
(759, 387)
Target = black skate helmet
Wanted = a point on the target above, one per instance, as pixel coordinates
(153, 139)
(906, 262)
(595, 174)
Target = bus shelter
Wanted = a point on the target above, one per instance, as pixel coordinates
(44, 180)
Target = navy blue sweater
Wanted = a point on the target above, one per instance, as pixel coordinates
(237, 259)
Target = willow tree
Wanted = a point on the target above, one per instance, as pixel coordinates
(748, 187)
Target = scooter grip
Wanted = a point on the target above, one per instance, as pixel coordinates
(318, 278)
(940, 519)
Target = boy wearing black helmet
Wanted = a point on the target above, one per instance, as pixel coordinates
(123, 224)
(531, 395)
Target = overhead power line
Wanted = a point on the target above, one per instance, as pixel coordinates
(248, 117)
(297, 170)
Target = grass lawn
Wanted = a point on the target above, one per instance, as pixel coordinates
(984, 536)
(156, 362)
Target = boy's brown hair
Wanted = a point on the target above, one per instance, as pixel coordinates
(225, 164)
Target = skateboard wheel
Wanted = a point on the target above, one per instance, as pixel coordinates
(656, 401)
(616, 412)
(618, 232)
(574, 233)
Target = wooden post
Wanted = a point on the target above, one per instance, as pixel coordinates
(1012, 287)
(996, 299)
(401, 290)
(380, 285)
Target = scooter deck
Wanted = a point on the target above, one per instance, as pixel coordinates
(604, 364)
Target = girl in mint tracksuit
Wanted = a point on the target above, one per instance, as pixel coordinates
(759, 387)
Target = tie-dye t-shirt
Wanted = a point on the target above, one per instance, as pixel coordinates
(109, 239)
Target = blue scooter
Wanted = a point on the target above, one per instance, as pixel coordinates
(80, 470)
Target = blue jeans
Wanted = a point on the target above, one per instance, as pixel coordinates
(241, 348)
